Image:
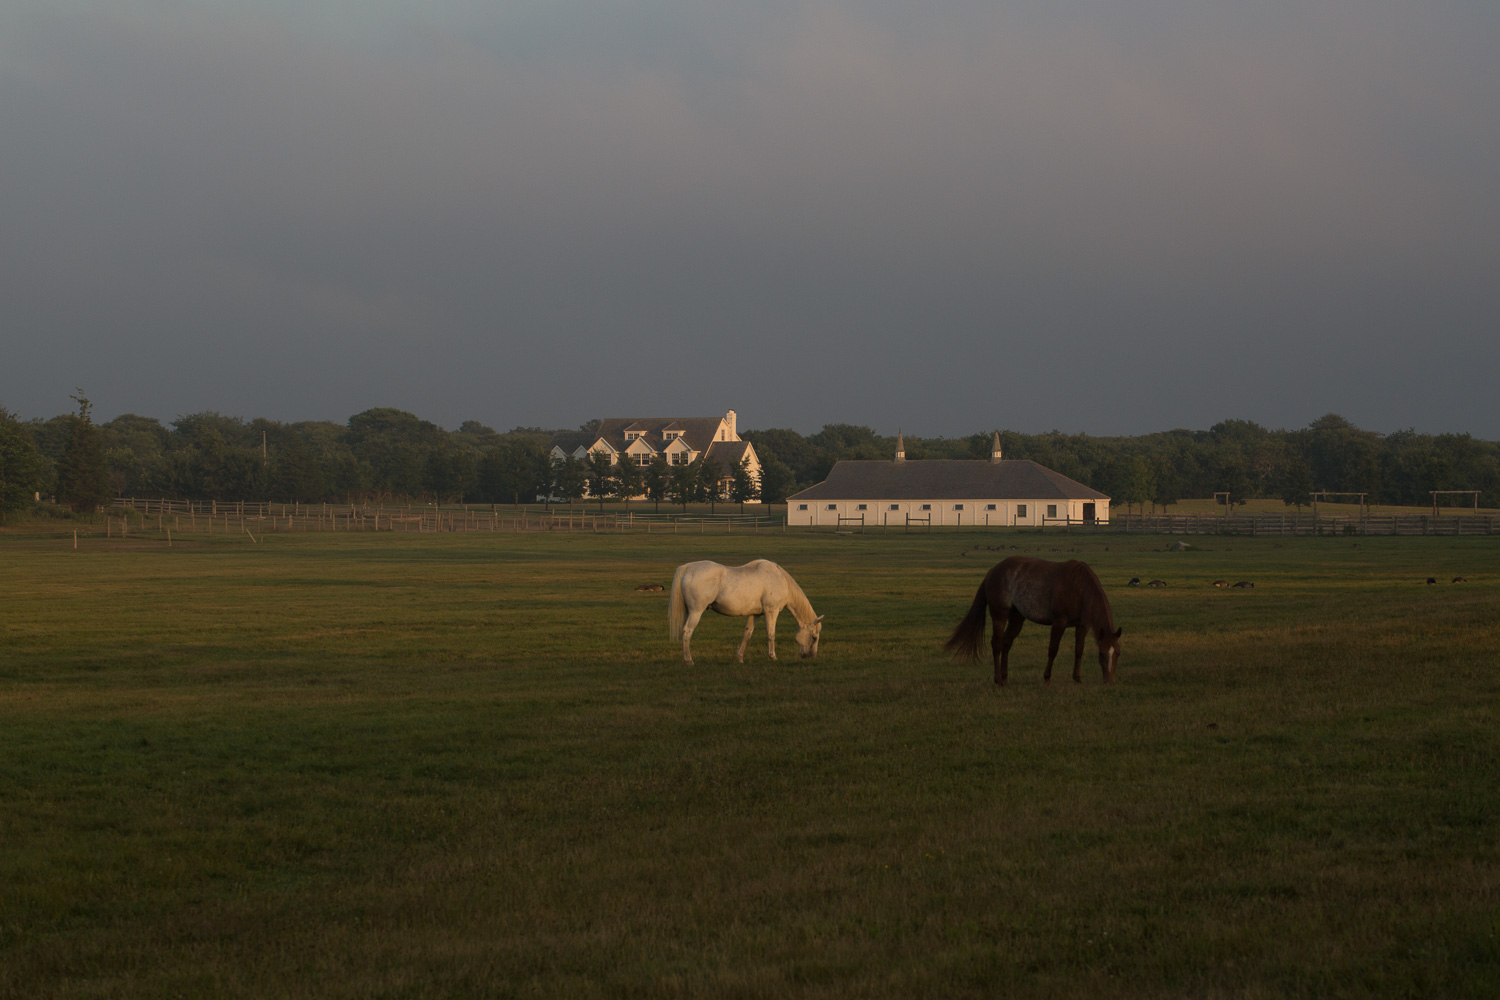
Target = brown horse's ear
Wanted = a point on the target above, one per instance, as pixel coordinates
(1118, 631)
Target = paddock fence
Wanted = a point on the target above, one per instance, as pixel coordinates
(185, 517)
(261, 518)
(1305, 524)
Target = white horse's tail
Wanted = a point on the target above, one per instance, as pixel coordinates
(676, 607)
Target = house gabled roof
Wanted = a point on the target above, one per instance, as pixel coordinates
(946, 479)
(697, 432)
(728, 454)
(643, 443)
(570, 441)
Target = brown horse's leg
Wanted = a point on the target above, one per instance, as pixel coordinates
(1078, 637)
(1053, 641)
(1001, 643)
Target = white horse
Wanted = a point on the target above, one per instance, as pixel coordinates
(756, 588)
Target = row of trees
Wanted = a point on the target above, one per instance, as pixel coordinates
(701, 481)
(390, 454)
(379, 454)
(1236, 456)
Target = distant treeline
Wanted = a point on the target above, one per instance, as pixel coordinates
(388, 453)
(1239, 457)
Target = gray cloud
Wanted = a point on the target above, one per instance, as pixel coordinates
(946, 219)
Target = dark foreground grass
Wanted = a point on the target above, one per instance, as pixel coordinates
(434, 766)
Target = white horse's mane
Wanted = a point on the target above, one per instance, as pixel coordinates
(800, 607)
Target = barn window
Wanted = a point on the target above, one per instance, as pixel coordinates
(895, 506)
(802, 506)
(832, 506)
(927, 506)
(1020, 510)
(989, 506)
(1052, 510)
(862, 507)
(958, 506)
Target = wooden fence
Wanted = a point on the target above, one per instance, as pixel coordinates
(259, 518)
(1304, 524)
(255, 519)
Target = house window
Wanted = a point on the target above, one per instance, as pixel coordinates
(927, 506)
(802, 506)
(1052, 510)
(1020, 510)
(989, 506)
(862, 507)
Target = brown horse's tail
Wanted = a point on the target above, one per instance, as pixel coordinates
(965, 640)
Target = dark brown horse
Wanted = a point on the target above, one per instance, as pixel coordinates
(1063, 595)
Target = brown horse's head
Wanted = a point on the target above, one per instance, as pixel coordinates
(1109, 653)
(807, 637)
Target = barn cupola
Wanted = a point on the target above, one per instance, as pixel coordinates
(900, 448)
(995, 449)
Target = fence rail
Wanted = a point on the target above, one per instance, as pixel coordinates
(256, 518)
(253, 518)
(1305, 524)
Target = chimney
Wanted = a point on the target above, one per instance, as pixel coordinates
(730, 418)
(900, 447)
(995, 449)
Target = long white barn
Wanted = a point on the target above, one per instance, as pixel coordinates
(996, 493)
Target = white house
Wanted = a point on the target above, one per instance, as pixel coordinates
(995, 493)
(680, 440)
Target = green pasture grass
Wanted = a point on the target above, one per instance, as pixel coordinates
(474, 765)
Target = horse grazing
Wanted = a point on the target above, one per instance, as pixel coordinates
(756, 588)
(1063, 595)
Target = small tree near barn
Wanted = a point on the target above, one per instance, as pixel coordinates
(658, 478)
(742, 487)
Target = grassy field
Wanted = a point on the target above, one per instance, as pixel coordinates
(473, 765)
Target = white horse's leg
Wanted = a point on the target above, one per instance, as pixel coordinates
(687, 635)
(771, 631)
(749, 627)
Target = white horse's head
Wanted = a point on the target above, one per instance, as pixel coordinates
(807, 637)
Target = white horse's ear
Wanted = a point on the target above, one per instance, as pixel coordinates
(818, 619)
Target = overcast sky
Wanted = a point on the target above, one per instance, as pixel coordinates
(1087, 215)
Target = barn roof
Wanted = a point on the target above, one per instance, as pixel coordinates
(946, 479)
